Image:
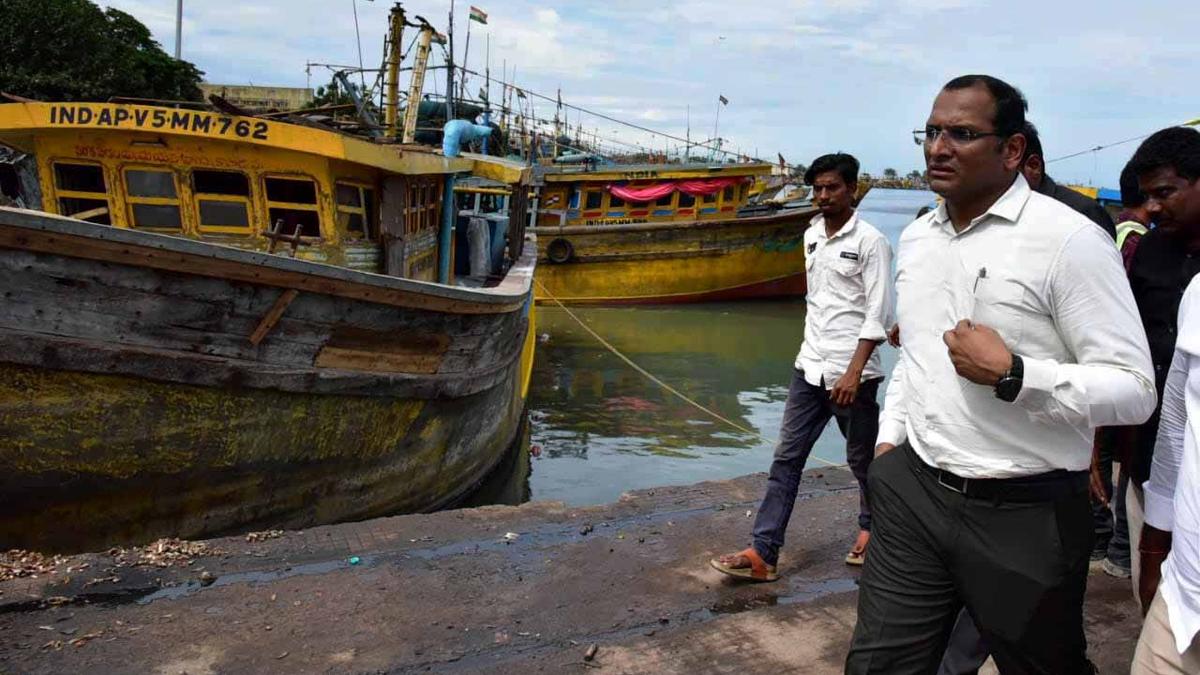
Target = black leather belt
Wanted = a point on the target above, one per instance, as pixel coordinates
(1042, 487)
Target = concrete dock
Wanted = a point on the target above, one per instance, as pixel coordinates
(492, 589)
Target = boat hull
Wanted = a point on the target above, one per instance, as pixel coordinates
(135, 404)
(705, 261)
(114, 472)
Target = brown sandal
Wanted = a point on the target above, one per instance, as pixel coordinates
(758, 570)
(858, 554)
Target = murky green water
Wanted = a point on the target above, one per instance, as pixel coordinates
(599, 428)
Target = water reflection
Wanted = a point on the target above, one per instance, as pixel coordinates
(599, 428)
(724, 357)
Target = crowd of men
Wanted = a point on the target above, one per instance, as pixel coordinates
(1044, 352)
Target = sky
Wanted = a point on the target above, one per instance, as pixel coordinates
(802, 77)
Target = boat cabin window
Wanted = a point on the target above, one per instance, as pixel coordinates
(686, 201)
(709, 199)
(356, 210)
(592, 199)
(423, 208)
(727, 195)
(82, 192)
(292, 202)
(222, 200)
(666, 200)
(615, 202)
(153, 199)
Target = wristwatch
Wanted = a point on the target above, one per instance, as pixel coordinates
(1010, 383)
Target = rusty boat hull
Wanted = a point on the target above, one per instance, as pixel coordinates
(158, 386)
(675, 262)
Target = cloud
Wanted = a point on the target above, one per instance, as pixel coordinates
(803, 76)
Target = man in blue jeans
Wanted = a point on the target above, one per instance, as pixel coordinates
(848, 265)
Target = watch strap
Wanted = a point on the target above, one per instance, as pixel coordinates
(1008, 387)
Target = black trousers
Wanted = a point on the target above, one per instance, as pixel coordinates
(1019, 568)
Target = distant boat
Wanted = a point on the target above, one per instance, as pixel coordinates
(212, 323)
(664, 233)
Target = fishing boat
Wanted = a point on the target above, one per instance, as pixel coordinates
(213, 322)
(663, 233)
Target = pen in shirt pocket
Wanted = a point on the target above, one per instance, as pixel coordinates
(975, 293)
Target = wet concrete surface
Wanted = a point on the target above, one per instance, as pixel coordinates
(456, 591)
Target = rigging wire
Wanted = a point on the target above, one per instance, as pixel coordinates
(1098, 148)
(656, 380)
(530, 92)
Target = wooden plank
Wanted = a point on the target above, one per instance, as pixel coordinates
(166, 259)
(376, 362)
(89, 356)
(272, 317)
(367, 350)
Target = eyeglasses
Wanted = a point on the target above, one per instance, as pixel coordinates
(953, 135)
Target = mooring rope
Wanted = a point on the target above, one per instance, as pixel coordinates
(656, 380)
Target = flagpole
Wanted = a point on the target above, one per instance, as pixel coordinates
(687, 156)
(717, 127)
(462, 87)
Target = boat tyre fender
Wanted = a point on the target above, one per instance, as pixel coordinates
(560, 251)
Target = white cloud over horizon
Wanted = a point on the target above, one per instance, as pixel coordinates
(803, 77)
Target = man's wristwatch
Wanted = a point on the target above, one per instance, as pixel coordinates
(1010, 383)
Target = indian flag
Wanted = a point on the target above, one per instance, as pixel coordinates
(478, 15)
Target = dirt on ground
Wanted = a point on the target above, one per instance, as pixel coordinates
(620, 588)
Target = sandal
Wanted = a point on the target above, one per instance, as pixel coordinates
(757, 571)
(858, 553)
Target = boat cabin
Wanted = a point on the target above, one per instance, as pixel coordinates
(247, 182)
(653, 193)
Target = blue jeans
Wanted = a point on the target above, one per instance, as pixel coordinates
(1118, 546)
(805, 415)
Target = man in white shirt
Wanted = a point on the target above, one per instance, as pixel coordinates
(1168, 644)
(1019, 337)
(837, 372)
(1167, 166)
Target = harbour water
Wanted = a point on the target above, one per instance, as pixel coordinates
(599, 428)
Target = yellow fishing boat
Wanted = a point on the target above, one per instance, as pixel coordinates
(214, 322)
(624, 234)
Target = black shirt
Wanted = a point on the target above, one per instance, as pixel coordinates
(1081, 203)
(1158, 274)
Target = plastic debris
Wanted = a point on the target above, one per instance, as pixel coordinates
(511, 536)
(354, 560)
(590, 652)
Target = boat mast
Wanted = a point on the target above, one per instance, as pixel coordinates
(417, 82)
(450, 67)
(395, 33)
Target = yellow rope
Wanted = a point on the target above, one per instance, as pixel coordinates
(650, 376)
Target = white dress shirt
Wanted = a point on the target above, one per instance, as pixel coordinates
(1173, 491)
(849, 298)
(1052, 284)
